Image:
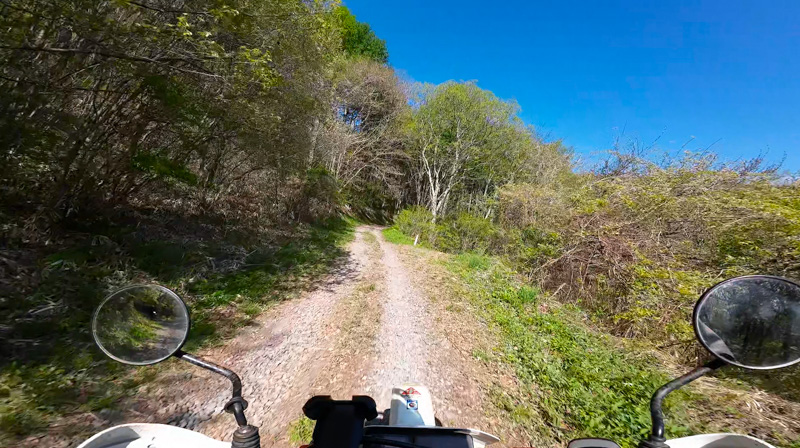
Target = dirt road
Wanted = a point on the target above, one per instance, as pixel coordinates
(367, 328)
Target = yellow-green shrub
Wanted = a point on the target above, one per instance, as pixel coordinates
(465, 233)
(637, 248)
(415, 221)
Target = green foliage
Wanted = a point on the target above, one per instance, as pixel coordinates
(531, 246)
(460, 233)
(301, 430)
(576, 382)
(415, 221)
(190, 106)
(319, 197)
(393, 235)
(364, 146)
(270, 274)
(649, 240)
(358, 39)
(465, 233)
(75, 381)
(474, 261)
(465, 143)
(164, 167)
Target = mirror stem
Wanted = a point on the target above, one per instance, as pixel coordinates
(657, 438)
(237, 404)
(233, 377)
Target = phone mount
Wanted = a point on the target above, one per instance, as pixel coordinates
(245, 436)
(340, 423)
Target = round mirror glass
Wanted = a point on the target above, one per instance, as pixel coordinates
(751, 322)
(141, 324)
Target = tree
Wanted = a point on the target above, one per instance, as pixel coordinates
(459, 129)
(466, 142)
(361, 144)
(358, 39)
(105, 99)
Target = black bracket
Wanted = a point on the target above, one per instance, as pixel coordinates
(340, 423)
(657, 439)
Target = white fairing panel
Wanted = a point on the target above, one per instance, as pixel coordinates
(150, 435)
(718, 441)
(411, 406)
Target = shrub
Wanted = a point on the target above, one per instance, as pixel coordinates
(471, 233)
(415, 221)
(462, 233)
(318, 198)
(530, 248)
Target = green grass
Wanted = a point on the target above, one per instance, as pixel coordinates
(301, 430)
(65, 373)
(474, 261)
(575, 382)
(369, 238)
(393, 235)
(269, 275)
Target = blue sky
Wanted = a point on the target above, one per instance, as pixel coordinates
(721, 71)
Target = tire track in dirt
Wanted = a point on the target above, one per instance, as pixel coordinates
(368, 329)
(279, 361)
(414, 349)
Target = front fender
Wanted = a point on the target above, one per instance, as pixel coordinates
(150, 435)
(718, 441)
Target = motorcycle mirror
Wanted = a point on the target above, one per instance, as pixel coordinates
(141, 324)
(751, 321)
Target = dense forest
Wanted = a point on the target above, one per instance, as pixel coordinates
(215, 146)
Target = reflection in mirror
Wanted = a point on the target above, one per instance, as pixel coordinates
(751, 322)
(140, 325)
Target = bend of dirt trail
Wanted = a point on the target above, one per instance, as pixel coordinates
(369, 327)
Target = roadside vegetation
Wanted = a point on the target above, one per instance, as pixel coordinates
(225, 283)
(592, 278)
(578, 381)
(301, 430)
(635, 243)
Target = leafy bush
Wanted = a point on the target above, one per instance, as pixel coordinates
(461, 233)
(318, 198)
(468, 233)
(416, 221)
(653, 238)
(530, 247)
